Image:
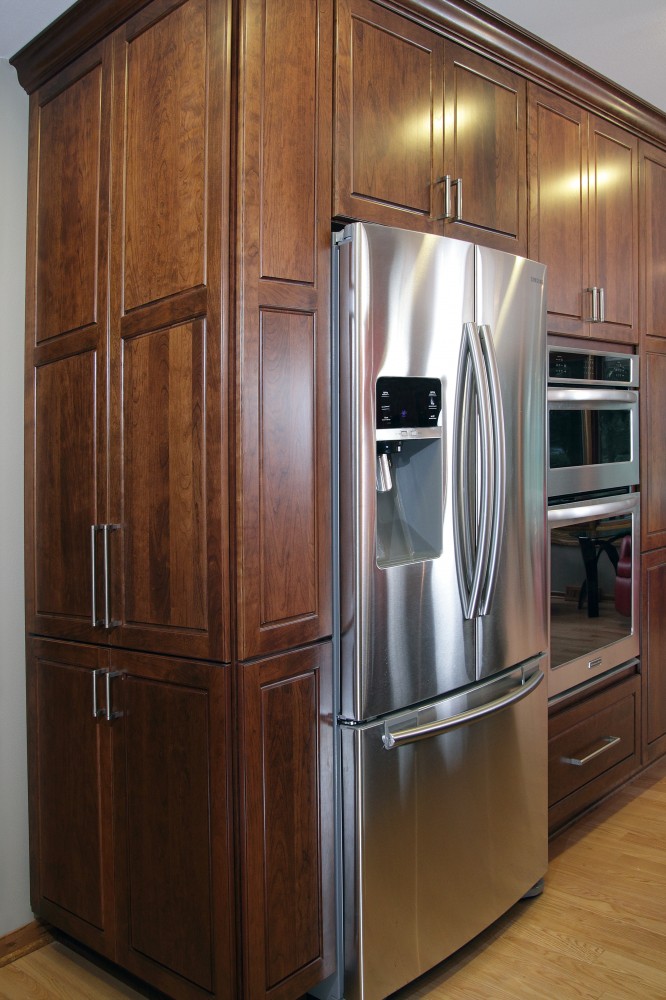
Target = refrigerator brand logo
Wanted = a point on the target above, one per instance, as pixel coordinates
(537, 281)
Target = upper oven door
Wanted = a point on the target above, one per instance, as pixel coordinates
(592, 440)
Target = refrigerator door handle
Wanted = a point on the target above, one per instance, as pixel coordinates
(499, 483)
(391, 740)
(471, 560)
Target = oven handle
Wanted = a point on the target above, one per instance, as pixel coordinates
(593, 509)
(592, 396)
(390, 739)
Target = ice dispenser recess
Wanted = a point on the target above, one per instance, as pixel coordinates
(409, 470)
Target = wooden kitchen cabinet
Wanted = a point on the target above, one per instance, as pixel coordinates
(593, 745)
(653, 653)
(125, 444)
(412, 108)
(653, 240)
(283, 388)
(286, 774)
(130, 811)
(583, 195)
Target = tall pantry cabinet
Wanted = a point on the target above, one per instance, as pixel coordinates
(178, 489)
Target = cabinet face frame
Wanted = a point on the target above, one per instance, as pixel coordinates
(653, 650)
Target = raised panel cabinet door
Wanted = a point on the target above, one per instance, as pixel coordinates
(174, 818)
(653, 653)
(388, 118)
(653, 444)
(70, 792)
(652, 212)
(558, 198)
(485, 151)
(66, 345)
(613, 178)
(283, 350)
(169, 376)
(286, 734)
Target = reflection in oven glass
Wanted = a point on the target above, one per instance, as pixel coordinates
(590, 587)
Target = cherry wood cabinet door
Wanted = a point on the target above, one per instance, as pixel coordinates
(653, 653)
(283, 387)
(286, 818)
(71, 797)
(613, 178)
(168, 462)
(485, 147)
(66, 343)
(389, 105)
(173, 810)
(558, 199)
(652, 214)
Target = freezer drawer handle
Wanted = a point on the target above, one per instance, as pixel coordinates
(606, 743)
(392, 740)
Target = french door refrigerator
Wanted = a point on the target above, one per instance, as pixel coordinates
(442, 597)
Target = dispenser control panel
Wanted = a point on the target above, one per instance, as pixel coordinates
(408, 402)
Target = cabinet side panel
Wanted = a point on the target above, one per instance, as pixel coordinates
(70, 149)
(288, 461)
(653, 458)
(165, 152)
(288, 180)
(654, 641)
(653, 241)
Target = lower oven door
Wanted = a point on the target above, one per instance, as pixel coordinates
(445, 826)
(594, 574)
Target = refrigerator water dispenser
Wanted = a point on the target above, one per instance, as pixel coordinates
(409, 470)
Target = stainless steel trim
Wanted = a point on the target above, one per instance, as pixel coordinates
(499, 491)
(572, 398)
(589, 510)
(632, 359)
(407, 433)
(111, 715)
(390, 740)
(607, 743)
(96, 710)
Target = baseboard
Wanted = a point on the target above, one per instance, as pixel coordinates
(21, 942)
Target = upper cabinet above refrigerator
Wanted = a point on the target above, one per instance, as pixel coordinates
(429, 135)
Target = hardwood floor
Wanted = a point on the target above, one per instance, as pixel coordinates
(597, 933)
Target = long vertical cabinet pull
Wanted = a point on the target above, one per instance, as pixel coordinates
(105, 712)
(110, 714)
(105, 529)
(96, 710)
(499, 484)
(449, 215)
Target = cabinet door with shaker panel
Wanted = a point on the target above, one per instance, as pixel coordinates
(428, 135)
(583, 181)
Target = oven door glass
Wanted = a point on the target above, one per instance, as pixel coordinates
(594, 588)
(593, 440)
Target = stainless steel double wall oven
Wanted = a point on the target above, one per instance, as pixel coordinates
(593, 514)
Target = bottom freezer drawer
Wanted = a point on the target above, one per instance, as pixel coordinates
(443, 831)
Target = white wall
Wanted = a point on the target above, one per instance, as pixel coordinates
(14, 887)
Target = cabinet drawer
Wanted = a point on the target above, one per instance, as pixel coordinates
(593, 746)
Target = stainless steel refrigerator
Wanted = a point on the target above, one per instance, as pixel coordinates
(442, 597)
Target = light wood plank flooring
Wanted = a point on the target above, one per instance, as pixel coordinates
(597, 933)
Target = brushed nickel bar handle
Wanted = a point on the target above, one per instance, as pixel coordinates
(595, 304)
(446, 181)
(108, 621)
(96, 710)
(607, 743)
(94, 528)
(458, 183)
(110, 716)
(602, 305)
